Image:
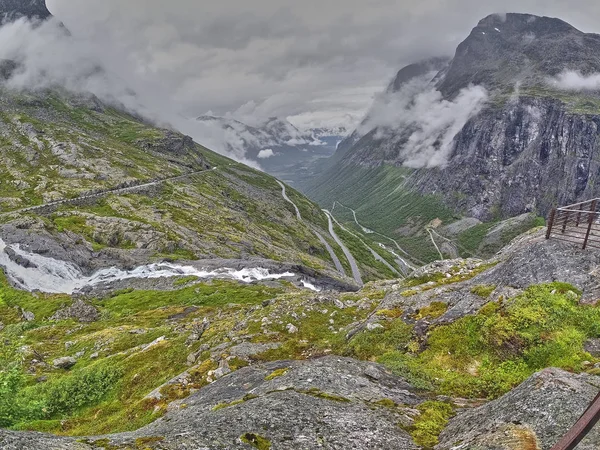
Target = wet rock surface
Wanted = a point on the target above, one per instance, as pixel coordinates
(528, 260)
(535, 415)
(31, 237)
(322, 403)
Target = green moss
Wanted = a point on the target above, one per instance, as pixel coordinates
(12, 300)
(216, 293)
(100, 443)
(430, 423)
(256, 441)
(386, 402)
(147, 442)
(277, 373)
(237, 363)
(486, 355)
(390, 313)
(235, 402)
(483, 290)
(409, 293)
(314, 392)
(76, 224)
(369, 344)
(454, 275)
(433, 311)
(423, 279)
(185, 280)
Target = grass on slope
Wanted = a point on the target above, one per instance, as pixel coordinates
(384, 202)
(104, 392)
(478, 356)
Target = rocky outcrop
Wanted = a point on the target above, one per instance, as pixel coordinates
(64, 363)
(529, 260)
(80, 311)
(175, 147)
(528, 155)
(14, 9)
(329, 402)
(535, 415)
(531, 146)
(507, 48)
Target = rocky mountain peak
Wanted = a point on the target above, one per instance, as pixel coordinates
(15, 9)
(418, 69)
(519, 23)
(503, 50)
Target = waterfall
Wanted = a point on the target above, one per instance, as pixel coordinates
(60, 277)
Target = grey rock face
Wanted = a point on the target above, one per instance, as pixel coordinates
(592, 346)
(79, 310)
(174, 145)
(323, 403)
(15, 9)
(523, 47)
(531, 146)
(537, 414)
(248, 349)
(526, 156)
(11, 440)
(64, 363)
(27, 316)
(529, 260)
(20, 260)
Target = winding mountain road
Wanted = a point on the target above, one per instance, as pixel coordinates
(287, 199)
(124, 190)
(402, 262)
(435, 244)
(376, 255)
(335, 259)
(355, 272)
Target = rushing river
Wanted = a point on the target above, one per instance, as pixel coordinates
(60, 277)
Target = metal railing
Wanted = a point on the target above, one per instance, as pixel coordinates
(578, 223)
(584, 425)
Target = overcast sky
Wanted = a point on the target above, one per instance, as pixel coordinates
(318, 62)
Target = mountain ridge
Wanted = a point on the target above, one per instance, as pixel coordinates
(527, 145)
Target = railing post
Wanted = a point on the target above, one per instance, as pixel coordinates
(551, 223)
(592, 216)
(582, 427)
(564, 227)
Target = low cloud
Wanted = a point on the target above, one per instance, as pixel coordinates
(421, 122)
(571, 80)
(47, 57)
(266, 153)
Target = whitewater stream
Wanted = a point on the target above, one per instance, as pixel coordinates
(60, 277)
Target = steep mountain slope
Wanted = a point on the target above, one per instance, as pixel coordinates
(65, 155)
(526, 140)
(129, 332)
(230, 366)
